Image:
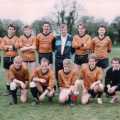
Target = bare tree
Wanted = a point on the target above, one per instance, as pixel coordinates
(67, 12)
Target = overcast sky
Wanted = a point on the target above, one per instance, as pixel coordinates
(29, 10)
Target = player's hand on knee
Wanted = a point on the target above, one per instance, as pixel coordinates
(42, 80)
(84, 91)
(23, 86)
(13, 86)
(36, 79)
(93, 85)
(72, 88)
(32, 84)
(51, 92)
(112, 89)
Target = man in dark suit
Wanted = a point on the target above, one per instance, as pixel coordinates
(63, 48)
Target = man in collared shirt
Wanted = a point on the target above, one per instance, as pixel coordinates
(63, 48)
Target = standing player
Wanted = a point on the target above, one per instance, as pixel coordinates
(92, 85)
(102, 46)
(42, 82)
(82, 44)
(9, 45)
(112, 80)
(19, 78)
(27, 44)
(63, 48)
(69, 83)
(45, 43)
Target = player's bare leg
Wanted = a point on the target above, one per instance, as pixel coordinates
(24, 94)
(64, 95)
(85, 98)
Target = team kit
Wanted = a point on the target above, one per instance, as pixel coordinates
(30, 67)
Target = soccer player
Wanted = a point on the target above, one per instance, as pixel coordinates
(102, 46)
(92, 85)
(69, 83)
(9, 46)
(82, 44)
(45, 43)
(112, 80)
(63, 48)
(27, 44)
(42, 82)
(19, 78)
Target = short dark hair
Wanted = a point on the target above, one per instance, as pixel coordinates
(82, 24)
(27, 26)
(12, 25)
(46, 22)
(62, 25)
(102, 26)
(115, 59)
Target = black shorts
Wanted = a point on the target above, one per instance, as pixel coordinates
(48, 56)
(80, 59)
(44, 88)
(7, 62)
(92, 93)
(103, 63)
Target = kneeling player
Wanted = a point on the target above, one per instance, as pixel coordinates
(69, 83)
(92, 85)
(43, 82)
(112, 80)
(19, 77)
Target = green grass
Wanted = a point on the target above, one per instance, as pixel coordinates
(54, 111)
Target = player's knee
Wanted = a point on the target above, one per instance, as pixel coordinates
(62, 100)
(23, 100)
(13, 86)
(32, 84)
(84, 101)
(41, 99)
(50, 94)
(100, 88)
(78, 83)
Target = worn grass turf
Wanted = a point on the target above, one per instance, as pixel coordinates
(54, 111)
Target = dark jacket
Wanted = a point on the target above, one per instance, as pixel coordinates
(68, 50)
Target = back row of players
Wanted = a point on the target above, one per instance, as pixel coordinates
(21, 71)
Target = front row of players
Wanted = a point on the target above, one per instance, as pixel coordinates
(42, 81)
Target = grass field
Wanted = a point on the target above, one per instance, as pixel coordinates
(54, 111)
